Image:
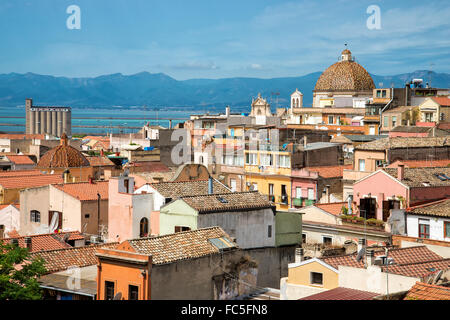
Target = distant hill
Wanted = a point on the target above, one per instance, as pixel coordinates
(160, 90)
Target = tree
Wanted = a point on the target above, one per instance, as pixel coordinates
(19, 273)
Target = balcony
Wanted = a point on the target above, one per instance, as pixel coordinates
(284, 199)
(298, 202)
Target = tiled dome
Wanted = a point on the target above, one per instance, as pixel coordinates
(345, 75)
(63, 156)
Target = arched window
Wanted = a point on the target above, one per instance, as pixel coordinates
(143, 228)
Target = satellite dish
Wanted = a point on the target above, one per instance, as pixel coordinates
(54, 223)
(118, 296)
(360, 254)
(66, 237)
(438, 276)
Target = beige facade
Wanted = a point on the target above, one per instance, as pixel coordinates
(400, 116)
(431, 111)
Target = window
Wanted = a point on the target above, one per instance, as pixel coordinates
(126, 183)
(133, 292)
(284, 196)
(338, 120)
(233, 184)
(446, 229)
(109, 290)
(327, 240)
(330, 119)
(310, 194)
(385, 121)
(298, 192)
(303, 237)
(35, 216)
(378, 163)
(181, 229)
(266, 159)
(428, 117)
(394, 121)
(362, 165)
(372, 130)
(424, 228)
(383, 94)
(269, 231)
(316, 278)
(284, 161)
(250, 158)
(143, 228)
(378, 93)
(86, 215)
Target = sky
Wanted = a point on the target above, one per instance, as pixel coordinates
(188, 39)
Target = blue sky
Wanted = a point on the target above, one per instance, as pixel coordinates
(217, 39)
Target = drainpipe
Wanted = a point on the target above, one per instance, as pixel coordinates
(382, 110)
(98, 213)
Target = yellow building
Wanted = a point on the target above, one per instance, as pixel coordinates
(269, 172)
(308, 277)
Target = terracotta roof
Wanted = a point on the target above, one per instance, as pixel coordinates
(439, 208)
(85, 191)
(50, 241)
(404, 142)
(173, 189)
(422, 177)
(20, 159)
(149, 166)
(182, 245)
(345, 76)
(330, 171)
(420, 163)
(342, 294)
(62, 259)
(20, 173)
(21, 182)
(18, 136)
(419, 269)
(443, 101)
(63, 156)
(99, 161)
(401, 256)
(411, 129)
(334, 208)
(424, 291)
(249, 200)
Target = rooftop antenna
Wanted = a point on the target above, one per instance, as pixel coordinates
(430, 73)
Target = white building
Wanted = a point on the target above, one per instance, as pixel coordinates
(9, 219)
(430, 221)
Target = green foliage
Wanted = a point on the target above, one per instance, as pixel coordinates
(375, 221)
(19, 274)
(344, 210)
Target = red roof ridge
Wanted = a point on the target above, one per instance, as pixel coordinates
(427, 204)
(172, 234)
(74, 248)
(43, 234)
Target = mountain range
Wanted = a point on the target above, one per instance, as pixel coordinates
(158, 90)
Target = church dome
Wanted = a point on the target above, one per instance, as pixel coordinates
(345, 75)
(63, 156)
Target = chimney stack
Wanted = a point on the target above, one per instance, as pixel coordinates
(401, 172)
(210, 185)
(28, 242)
(361, 244)
(298, 255)
(227, 111)
(370, 257)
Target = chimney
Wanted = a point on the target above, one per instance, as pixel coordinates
(361, 244)
(101, 153)
(91, 180)
(227, 111)
(210, 185)
(298, 255)
(401, 172)
(370, 257)
(28, 243)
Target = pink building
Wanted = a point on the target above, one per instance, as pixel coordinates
(399, 188)
(129, 215)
